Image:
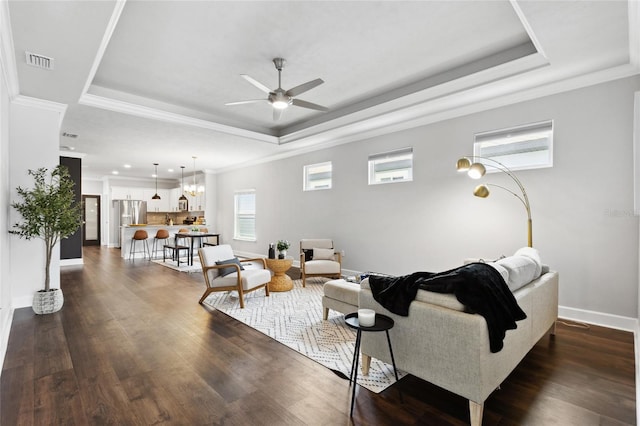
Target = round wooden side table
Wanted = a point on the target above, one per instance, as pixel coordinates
(280, 280)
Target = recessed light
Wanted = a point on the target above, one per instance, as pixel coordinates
(170, 170)
(115, 172)
(154, 175)
(127, 166)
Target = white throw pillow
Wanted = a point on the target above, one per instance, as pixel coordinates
(501, 269)
(322, 254)
(522, 270)
(534, 255)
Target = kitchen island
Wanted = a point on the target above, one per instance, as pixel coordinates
(127, 231)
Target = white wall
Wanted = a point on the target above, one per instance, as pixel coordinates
(33, 143)
(6, 311)
(582, 208)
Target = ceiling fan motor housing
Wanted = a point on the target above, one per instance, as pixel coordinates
(279, 99)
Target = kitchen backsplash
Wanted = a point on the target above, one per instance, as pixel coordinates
(156, 218)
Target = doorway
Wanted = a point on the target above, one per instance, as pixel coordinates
(91, 220)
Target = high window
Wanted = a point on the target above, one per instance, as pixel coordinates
(524, 147)
(389, 167)
(244, 227)
(317, 176)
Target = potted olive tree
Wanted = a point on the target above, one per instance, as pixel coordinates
(50, 213)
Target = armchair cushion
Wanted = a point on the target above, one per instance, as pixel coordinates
(322, 267)
(226, 271)
(249, 278)
(322, 254)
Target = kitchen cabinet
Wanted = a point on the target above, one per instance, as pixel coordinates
(161, 205)
(127, 193)
(174, 195)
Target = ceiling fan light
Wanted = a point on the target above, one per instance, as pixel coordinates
(280, 104)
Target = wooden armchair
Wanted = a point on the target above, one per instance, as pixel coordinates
(319, 259)
(224, 272)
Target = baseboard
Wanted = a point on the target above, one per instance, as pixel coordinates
(71, 262)
(598, 318)
(22, 302)
(637, 356)
(4, 337)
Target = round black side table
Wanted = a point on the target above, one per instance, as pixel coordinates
(382, 323)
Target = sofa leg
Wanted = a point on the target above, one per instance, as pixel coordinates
(366, 363)
(325, 313)
(553, 328)
(475, 413)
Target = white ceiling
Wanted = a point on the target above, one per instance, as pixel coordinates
(146, 81)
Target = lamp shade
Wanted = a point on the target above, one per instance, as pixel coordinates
(463, 164)
(481, 191)
(476, 171)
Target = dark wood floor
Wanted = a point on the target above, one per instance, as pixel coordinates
(133, 347)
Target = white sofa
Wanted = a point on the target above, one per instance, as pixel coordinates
(443, 345)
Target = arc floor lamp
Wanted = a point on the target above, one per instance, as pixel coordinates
(476, 169)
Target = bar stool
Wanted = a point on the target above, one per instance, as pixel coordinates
(140, 235)
(161, 234)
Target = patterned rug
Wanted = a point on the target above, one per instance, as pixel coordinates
(184, 266)
(294, 318)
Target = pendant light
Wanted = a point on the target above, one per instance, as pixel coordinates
(156, 196)
(182, 197)
(193, 190)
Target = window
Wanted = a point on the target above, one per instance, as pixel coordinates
(393, 166)
(317, 176)
(523, 147)
(244, 227)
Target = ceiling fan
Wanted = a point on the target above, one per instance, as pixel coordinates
(279, 98)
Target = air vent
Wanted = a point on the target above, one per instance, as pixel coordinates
(69, 135)
(39, 61)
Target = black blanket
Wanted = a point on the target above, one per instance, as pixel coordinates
(478, 286)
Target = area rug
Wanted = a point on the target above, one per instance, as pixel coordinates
(184, 265)
(294, 318)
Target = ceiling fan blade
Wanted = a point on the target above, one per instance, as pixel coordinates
(304, 87)
(252, 101)
(256, 83)
(305, 104)
(277, 113)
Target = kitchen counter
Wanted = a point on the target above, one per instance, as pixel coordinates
(127, 231)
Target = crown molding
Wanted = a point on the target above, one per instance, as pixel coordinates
(634, 33)
(27, 101)
(72, 154)
(447, 107)
(111, 26)
(7, 56)
(170, 117)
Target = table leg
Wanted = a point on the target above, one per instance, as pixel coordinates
(393, 361)
(191, 252)
(354, 370)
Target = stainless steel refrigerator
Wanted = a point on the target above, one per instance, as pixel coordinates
(126, 212)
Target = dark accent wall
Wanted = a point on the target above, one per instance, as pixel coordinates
(71, 248)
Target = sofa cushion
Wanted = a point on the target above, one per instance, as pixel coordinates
(342, 290)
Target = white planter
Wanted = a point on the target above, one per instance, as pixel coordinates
(48, 302)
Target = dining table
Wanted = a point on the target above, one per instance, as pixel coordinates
(193, 235)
